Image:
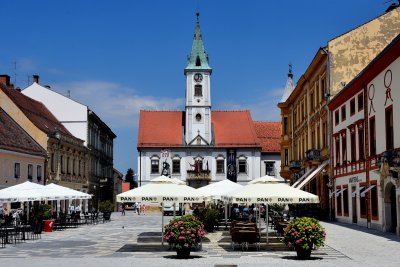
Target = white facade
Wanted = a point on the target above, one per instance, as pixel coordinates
(73, 115)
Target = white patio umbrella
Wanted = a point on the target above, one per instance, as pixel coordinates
(216, 190)
(266, 179)
(270, 193)
(26, 191)
(58, 192)
(178, 181)
(6, 197)
(159, 190)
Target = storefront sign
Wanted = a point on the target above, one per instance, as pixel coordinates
(354, 179)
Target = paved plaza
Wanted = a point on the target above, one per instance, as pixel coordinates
(134, 240)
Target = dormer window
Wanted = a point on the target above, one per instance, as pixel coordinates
(198, 62)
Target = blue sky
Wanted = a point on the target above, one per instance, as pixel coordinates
(122, 56)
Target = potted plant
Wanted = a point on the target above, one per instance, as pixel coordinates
(106, 207)
(209, 216)
(42, 215)
(303, 234)
(183, 233)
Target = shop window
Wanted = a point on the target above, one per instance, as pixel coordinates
(374, 201)
(345, 194)
(338, 202)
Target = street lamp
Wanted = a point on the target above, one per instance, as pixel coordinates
(57, 135)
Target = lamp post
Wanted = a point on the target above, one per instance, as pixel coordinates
(57, 135)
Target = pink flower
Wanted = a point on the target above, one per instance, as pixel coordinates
(192, 235)
(181, 237)
(181, 228)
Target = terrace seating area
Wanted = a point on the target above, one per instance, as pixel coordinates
(244, 234)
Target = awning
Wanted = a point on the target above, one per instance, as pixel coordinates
(334, 192)
(357, 191)
(341, 191)
(303, 177)
(366, 190)
(312, 175)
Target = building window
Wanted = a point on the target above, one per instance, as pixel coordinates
(337, 151)
(198, 90)
(79, 168)
(363, 206)
(389, 127)
(176, 165)
(285, 126)
(361, 142)
(352, 107)
(17, 170)
(345, 194)
(155, 165)
(270, 168)
(344, 113)
(220, 165)
(30, 171)
(286, 157)
(74, 166)
(39, 173)
(312, 101)
(242, 165)
(52, 162)
(374, 201)
(68, 166)
(353, 145)
(318, 137)
(324, 132)
(323, 86)
(360, 100)
(336, 117)
(344, 149)
(198, 117)
(338, 202)
(62, 163)
(372, 136)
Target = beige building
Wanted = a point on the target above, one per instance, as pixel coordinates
(68, 159)
(306, 126)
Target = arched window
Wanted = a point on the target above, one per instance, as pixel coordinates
(155, 164)
(176, 164)
(220, 164)
(242, 163)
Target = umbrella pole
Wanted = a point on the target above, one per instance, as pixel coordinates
(174, 210)
(266, 228)
(162, 224)
(226, 215)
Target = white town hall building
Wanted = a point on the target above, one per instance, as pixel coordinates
(201, 146)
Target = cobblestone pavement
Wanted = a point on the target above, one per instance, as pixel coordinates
(134, 240)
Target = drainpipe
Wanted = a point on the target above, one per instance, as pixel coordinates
(329, 137)
(140, 168)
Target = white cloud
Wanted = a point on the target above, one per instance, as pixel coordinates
(263, 108)
(116, 104)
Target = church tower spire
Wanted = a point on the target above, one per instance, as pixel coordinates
(198, 130)
(198, 58)
(289, 86)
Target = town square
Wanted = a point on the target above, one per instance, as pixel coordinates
(203, 133)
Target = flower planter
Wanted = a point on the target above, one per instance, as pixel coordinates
(48, 225)
(183, 253)
(303, 254)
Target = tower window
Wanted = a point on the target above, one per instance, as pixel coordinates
(198, 117)
(198, 90)
(198, 62)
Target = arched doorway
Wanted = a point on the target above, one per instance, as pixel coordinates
(390, 208)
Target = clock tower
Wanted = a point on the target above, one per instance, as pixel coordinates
(198, 131)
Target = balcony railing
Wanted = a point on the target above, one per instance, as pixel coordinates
(198, 175)
(313, 155)
(295, 165)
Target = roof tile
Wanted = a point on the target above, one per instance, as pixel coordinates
(269, 134)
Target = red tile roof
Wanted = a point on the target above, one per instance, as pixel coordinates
(36, 112)
(269, 134)
(165, 129)
(14, 138)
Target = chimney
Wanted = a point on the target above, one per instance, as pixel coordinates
(5, 79)
(35, 78)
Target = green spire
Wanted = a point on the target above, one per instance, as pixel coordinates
(198, 58)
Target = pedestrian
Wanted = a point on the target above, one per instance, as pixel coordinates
(138, 208)
(144, 209)
(123, 209)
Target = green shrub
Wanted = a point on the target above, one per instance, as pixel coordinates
(106, 206)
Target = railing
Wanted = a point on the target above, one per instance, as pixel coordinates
(198, 175)
(313, 154)
(295, 165)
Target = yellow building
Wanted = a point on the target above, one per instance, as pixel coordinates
(306, 138)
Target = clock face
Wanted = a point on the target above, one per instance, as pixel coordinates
(198, 77)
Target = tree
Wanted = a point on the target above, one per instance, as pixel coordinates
(130, 177)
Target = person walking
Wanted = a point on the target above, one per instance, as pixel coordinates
(138, 208)
(123, 209)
